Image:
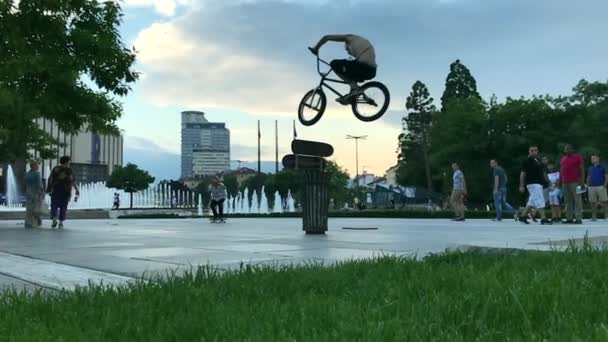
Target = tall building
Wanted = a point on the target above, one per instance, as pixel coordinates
(94, 156)
(205, 145)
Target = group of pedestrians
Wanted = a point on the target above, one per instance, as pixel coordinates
(59, 186)
(547, 185)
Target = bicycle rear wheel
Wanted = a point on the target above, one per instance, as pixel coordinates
(372, 102)
(312, 107)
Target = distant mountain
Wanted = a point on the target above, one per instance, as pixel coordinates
(265, 166)
(162, 165)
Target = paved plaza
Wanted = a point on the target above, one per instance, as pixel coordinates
(117, 251)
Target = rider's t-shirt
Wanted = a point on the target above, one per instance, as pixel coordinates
(361, 49)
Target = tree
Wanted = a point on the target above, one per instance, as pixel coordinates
(338, 182)
(232, 185)
(460, 135)
(63, 61)
(459, 84)
(130, 179)
(255, 184)
(414, 139)
(202, 189)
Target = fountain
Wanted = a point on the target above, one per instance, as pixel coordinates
(227, 206)
(200, 205)
(245, 203)
(290, 203)
(12, 194)
(237, 206)
(98, 196)
(255, 207)
(278, 203)
(263, 202)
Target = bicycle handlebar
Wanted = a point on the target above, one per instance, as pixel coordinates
(319, 61)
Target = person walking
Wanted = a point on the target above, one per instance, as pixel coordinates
(533, 178)
(500, 190)
(60, 185)
(218, 196)
(34, 192)
(554, 193)
(572, 173)
(459, 192)
(597, 180)
(116, 205)
(546, 190)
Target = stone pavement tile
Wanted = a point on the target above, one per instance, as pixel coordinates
(136, 247)
(53, 275)
(216, 257)
(7, 283)
(111, 264)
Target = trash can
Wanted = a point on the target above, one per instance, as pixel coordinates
(315, 206)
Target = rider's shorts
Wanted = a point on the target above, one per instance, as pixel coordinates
(353, 70)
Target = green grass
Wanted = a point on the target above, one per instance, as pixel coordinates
(456, 297)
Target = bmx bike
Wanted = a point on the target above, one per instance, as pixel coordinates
(368, 101)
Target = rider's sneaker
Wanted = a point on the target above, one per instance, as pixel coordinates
(350, 97)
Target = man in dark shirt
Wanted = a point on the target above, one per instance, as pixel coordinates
(500, 189)
(533, 178)
(60, 187)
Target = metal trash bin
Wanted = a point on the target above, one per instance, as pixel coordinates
(315, 206)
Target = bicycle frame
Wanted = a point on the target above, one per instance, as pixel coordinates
(325, 79)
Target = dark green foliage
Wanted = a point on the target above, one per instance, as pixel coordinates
(460, 85)
(470, 132)
(48, 49)
(414, 142)
(130, 179)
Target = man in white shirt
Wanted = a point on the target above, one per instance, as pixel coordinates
(359, 69)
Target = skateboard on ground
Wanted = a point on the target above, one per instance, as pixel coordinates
(214, 220)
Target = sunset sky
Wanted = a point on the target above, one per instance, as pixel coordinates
(243, 61)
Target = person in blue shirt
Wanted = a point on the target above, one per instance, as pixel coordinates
(597, 181)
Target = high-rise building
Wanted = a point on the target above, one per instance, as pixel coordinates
(94, 156)
(205, 145)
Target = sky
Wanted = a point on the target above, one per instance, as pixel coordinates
(241, 61)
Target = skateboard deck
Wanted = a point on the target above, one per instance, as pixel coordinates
(311, 148)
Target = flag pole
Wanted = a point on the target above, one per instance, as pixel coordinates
(259, 137)
(276, 146)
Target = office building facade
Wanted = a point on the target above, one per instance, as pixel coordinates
(205, 145)
(94, 156)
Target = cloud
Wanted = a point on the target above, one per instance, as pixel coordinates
(190, 70)
(251, 55)
(164, 7)
(143, 144)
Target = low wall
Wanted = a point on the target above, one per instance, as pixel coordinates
(74, 214)
(149, 211)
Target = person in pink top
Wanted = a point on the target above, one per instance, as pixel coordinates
(572, 174)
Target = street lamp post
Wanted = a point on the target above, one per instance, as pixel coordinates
(357, 138)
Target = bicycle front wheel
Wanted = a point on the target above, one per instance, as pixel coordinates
(312, 107)
(372, 102)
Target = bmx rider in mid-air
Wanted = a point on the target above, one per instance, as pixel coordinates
(359, 69)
